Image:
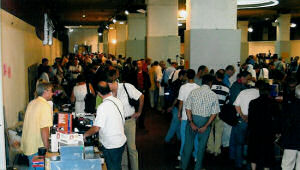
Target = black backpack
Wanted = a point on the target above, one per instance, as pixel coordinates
(90, 101)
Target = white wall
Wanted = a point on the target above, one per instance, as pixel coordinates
(20, 49)
(261, 47)
(84, 36)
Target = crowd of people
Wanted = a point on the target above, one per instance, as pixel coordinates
(264, 101)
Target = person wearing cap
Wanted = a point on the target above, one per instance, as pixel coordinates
(291, 134)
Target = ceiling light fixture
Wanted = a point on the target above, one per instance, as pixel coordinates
(100, 34)
(114, 41)
(250, 29)
(83, 16)
(126, 12)
(71, 30)
(246, 4)
(106, 27)
(293, 25)
(141, 11)
(121, 22)
(179, 24)
(114, 21)
(182, 14)
(111, 28)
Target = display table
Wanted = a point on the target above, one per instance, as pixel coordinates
(73, 157)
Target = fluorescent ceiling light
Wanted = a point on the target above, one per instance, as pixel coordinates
(246, 4)
(141, 11)
(293, 25)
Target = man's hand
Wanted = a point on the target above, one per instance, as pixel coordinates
(245, 118)
(194, 127)
(136, 115)
(170, 109)
(202, 130)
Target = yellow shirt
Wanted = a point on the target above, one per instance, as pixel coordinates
(38, 115)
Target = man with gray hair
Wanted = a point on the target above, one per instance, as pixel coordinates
(291, 134)
(38, 120)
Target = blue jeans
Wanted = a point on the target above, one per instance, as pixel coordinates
(237, 143)
(190, 136)
(174, 126)
(30, 157)
(113, 157)
(182, 135)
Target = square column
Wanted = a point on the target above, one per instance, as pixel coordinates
(162, 29)
(105, 42)
(112, 39)
(136, 43)
(283, 44)
(243, 26)
(121, 37)
(212, 38)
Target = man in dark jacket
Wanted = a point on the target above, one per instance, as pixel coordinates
(141, 81)
(291, 134)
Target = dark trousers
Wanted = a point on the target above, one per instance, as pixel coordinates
(113, 157)
(141, 120)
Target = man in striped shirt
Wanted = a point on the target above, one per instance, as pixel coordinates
(215, 138)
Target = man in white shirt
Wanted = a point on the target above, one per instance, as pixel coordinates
(113, 138)
(119, 91)
(238, 133)
(75, 69)
(183, 95)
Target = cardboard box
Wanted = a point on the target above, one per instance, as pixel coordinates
(65, 122)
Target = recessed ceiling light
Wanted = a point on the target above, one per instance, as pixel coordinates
(126, 12)
(293, 25)
(250, 29)
(246, 4)
(83, 16)
(100, 34)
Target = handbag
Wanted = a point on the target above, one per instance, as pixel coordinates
(134, 103)
(89, 101)
(228, 114)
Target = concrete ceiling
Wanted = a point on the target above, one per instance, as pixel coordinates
(70, 12)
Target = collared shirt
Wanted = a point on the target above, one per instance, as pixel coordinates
(203, 102)
(132, 92)
(226, 80)
(244, 99)
(111, 119)
(167, 74)
(38, 115)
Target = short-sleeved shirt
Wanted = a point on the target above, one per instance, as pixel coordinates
(244, 99)
(203, 102)
(222, 92)
(111, 122)
(38, 115)
(132, 92)
(183, 95)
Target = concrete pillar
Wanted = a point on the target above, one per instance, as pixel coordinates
(105, 42)
(243, 26)
(112, 39)
(121, 37)
(136, 43)
(162, 29)
(283, 44)
(211, 37)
